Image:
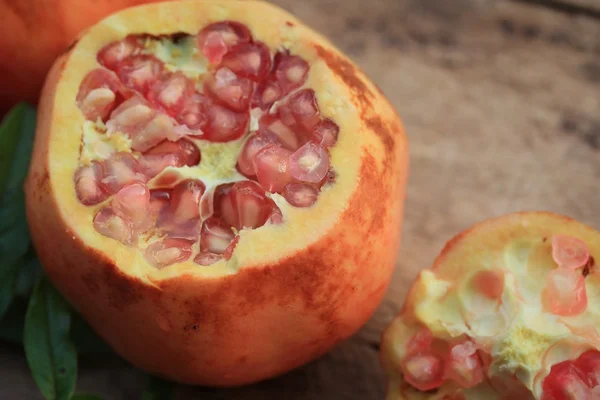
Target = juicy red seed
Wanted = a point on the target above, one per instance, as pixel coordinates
(224, 125)
(148, 135)
(159, 200)
(253, 145)
(300, 194)
(309, 163)
(304, 109)
(569, 252)
(245, 205)
(566, 381)
(565, 292)
(170, 92)
(326, 133)
(121, 169)
(88, 186)
(229, 90)
(98, 94)
(423, 371)
(167, 252)
(182, 217)
(290, 71)
(248, 60)
(207, 258)
(186, 151)
(271, 164)
(490, 283)
(463, 365)
(219, 193)
(229, 251)
(229, 34)
(267, 93)
(215, 236)
(114, 53)
(108, 223)
(132, 203)
(276, 131)
(140, 72)
(589, 364)
(194, 114)
(420, 341)
(276, 217)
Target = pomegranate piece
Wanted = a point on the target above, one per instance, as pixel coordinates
(132, 203)
(267, 92)
(290, 71)
(566, 382)
(97, 95)
(326, 133)
(271, 164)
(215, 236)
(302, 109)
(225, 125)
(121, 169)
(276, 131)
(159, 128)
(423, 371)
(300, 194)
(309, 163)
(569, 252)
(245, 206)
(130, 116)
(153, 165)
(114, 53)
(463, 365)
(110, 224)
(490, 283)
(228, 89)
(215, 40)
(167, 153)
(248, 60)
(170, 92)
(565, 292)
(181, 218)
(167, 252)
(253, 145)
(207, 258)
(140, 72)
(88, 186)
(194, 113)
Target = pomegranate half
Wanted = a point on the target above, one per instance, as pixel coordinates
(509, 310)
(216, 188)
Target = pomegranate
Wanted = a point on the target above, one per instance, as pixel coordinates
(503, 313)
(225, 212)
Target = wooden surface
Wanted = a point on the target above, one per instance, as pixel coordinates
(501, 102)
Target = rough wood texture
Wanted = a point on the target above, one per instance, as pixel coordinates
(500, 101)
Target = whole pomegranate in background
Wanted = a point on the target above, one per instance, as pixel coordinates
(35, 32)
(216, 189)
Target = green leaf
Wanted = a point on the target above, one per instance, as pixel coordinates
(10, 134)
(50, 354)
(12, 210)
(11, 326)
(22, 154)
(158, 389)
(14, 244)
(8, 283)
(86, 396)
(29, 273)
(85, 339)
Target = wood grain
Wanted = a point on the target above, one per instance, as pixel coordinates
(500, 101)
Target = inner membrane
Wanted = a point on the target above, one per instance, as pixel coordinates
(163, 114)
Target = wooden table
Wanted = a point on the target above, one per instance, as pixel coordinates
(501, 102)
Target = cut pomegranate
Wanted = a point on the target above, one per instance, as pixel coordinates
(304, 110)
(97, 94)
(566, 382)
(207, 258)
(108, 223)
(290, 71)
(569, 252)
(565, 292)
(276, 131)
(300, 194)
(309, 163)
(267, 92)
(167, 252)
(245, 206)
(248, 60)
(182, 217)
(88, 186)
(140, 72)
(326, 133)
(271, 164)
(132, 203)
(216, 39)
(113, 54)
(215, 236)
(170, 92)
(121, 169)
(490, 283)
(463, 365)
(423, 371)
(230, 90)
(253, 145)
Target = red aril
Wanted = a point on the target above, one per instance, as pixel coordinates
(194, 114)
(110, 224)
(182, 217)
(463, 365)
(245, 206)
(267, 92)
(490, 283)
(229, 250)
(215, 236)
(253, 145)
(167, 153)
(224, 125)
(589, 364)
(304, 109)
(121, 169)
(569, 252)
(159, 128)
(88, 186)
(420, 341)
(132, 203)
(309, 163)
(214, 205)
(167, 252)
(423, 371)
(300, 194)
(207, 258)
(130, 116)
(276, 131)
(140, 72)
(326, 133)
(170, 92)
(229, 90)
(275, 217)
(566, 382)
(248, 60)
(97, 95)
(272, 167)
(290, 71)
(114, 53)
(565, 292)
(159, 200)
(216, 39)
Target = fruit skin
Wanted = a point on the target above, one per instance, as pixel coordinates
(39, 32)
(460, 251)
(289, 302)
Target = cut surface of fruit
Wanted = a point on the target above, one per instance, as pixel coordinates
(183, 173)
(505, 269)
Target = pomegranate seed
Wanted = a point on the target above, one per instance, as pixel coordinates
(121, 169)
(267, 93)
(194, 113)
(216, 39)
(225, 125)
(159, 128)
(171, 92)
(420, 341)
(271, 164)
(153, 165)
(569, 252)
(565, 292)
(159, 200)
(167, 153)
(130, 116)
(276, 131)
(207, 258)
(167, 252)
(423, 371)
(309, 163)
(97, 94)
(214, 207)
(253, 145)
(108, 223)
(566, 382)
(215, 236)
(290, 71)
(245, 205)
(490, 283)
(326, 133)
(232, 92)
(114, 53)
(300, 194)
(304, 109)
(229, 250)
(248, 60)
(276, 217)
(140, 72)
(589, 364)
(182, 217)
(88, 188)
(463, 365)
(132, 203)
